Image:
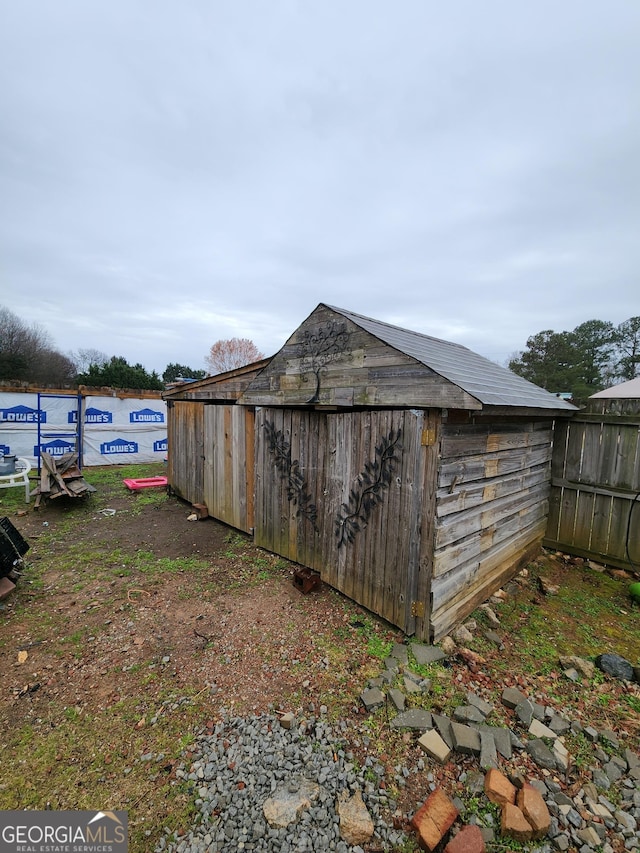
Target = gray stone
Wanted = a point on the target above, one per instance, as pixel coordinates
(410, 685)
(541, 754)
(425, 655)
(539, 712)
(502, 741)
(494, 638)
(400, 652)
(589, 836)
(585, 667)
(574, 818)
(615, 666)
(397, 698)
(392, 663)
(511, 697)
(559, 725)
(488, 752)
(539, 730)
(516, 743)
(561, 841)
(600, 779)
(626, 821)
(632, 758)
(614, 773)
(443, 725)
(415, 719)
(524, 712)
(388, 676)
(468, 714)
(465, 739)
(285, 806)
(463, 635)
(485, 708)
(372, 698)
(609, 737)
(572, 674)
(591, 734)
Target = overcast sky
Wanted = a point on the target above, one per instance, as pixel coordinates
(175, 173)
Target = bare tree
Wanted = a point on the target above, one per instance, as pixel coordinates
(26, 350)
(232, 353)
(84, 358)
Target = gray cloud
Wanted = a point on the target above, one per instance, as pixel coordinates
(175, 174)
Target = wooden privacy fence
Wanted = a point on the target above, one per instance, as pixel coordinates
(594, 507)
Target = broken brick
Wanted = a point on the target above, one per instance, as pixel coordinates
(498, 788)
(434, 818)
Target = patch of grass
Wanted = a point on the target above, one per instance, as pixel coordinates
(77, 765)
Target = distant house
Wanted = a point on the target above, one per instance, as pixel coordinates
(622, 391)
(410, 472)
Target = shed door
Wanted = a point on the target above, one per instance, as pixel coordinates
(341, 492)
(229, 464)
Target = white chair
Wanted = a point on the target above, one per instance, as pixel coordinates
(20, 477)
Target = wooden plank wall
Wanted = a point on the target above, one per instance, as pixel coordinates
(328, 453)
(596, 484)
(229, 464)
(362, 371)
(185, 459)
(491, 508)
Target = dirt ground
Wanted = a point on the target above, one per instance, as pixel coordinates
(132, 627)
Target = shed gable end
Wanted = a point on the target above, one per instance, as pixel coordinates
(332, 361)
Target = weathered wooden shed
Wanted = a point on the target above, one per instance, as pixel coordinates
(412, 473)
(210, 456)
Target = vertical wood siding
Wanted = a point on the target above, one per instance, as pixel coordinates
(185, 459)
(298, 509)
(228, 468)
(492, 505)
(595, 493)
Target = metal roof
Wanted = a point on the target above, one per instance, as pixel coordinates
(485, 380)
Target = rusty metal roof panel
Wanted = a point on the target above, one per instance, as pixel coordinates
(485, 380)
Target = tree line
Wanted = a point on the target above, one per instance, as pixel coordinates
(28, 354)
(595, 355)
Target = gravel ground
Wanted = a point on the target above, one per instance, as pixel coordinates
(247, 759)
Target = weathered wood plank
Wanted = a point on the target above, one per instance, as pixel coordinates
(471, 441)
(465, 551)
(454, 473)
(464, 496)
(505, 564)
(470, 521)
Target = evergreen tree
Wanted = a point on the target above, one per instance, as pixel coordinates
(118, 373)
(174, 372)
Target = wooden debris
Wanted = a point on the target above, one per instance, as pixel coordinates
(60, 477)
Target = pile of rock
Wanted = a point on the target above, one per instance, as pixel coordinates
(531, 808)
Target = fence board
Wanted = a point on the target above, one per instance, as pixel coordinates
(595, 481)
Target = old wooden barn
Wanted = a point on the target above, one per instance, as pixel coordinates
(410, 472)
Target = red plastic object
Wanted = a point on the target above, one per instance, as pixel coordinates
(144, 483)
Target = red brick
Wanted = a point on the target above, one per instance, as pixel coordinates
(534, 808)
(468, 840)
(514, 823)
(434, 818)
(498, 788)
